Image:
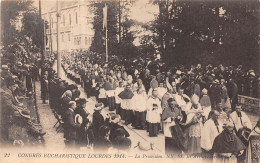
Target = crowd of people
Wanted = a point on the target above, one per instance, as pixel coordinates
(16, 123)
(196, 108)
(96, 132)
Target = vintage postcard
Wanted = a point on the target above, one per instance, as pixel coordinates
(130, 81)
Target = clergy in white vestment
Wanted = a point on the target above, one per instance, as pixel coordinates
(161, 90)
(139, 103)
(240, 119)
(242, 124)
(211, 129)
(118, 90)
(154, 111)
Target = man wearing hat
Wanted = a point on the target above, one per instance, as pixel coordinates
(85, 133)
(227, 146)
(70, 127)
(60, 90)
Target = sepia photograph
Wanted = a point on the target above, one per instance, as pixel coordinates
(130, 81)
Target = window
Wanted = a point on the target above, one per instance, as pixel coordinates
(76, 18)
(68, 37)
(51, 22)
(77, 40)
(86, 40)
(63, 20)
(62, 37)
(70, 18)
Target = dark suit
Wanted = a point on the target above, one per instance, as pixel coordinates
(98, 121)
(70, 127)
(233, 94)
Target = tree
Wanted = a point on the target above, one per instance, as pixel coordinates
(20, 31)
(124, 48)
(32, 27)
(10, 11)
(189, 32)
(98, 43)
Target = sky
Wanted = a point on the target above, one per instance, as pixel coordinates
(143, 12)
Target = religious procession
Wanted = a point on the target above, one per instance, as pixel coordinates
(169, 82)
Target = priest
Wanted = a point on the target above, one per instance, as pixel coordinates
(227, 146)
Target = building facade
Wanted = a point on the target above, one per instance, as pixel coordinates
(76, 30)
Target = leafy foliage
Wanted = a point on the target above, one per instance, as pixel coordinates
(190, 32)
(123, 48)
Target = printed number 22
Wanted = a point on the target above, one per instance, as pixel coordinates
(7, 155)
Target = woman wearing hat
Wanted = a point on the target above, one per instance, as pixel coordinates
(85, 134)
(98, 119)
(114, 126)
